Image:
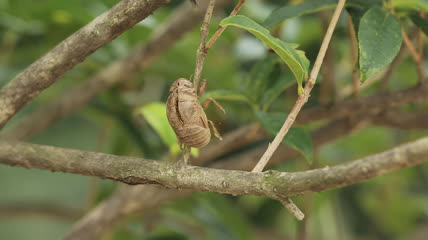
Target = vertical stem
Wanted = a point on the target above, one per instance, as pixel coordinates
(221, 29)
(302, 99)
(201, 52)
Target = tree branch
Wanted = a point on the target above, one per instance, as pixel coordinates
(132, 199)
(367, 105)
(66, 213)
(271, 183)
(402, 119)
(73, 50)
(183, 20)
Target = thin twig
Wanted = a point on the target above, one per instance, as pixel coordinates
(354, 55)
(292, 208)
(302, 99)
(217, 34)
(417, 58)
(200, 59)
(201, 52)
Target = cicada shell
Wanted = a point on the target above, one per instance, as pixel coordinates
(187, 116)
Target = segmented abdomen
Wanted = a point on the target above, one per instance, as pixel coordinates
(186, 115)
(193, 135)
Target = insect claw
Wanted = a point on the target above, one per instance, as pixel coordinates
(216, 134)
(208, 100)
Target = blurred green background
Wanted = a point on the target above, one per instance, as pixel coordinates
(390, 207)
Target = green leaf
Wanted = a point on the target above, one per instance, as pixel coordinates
(307, 7)
(296, 137)
(417, 5)
(259, 77)
(290, 11)
(155, 115)
(284, 82)
(379, 41)
(295, 59)
(421, 22)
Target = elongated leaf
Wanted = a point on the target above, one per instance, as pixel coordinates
(290, 11)
(417, 5)
(295, 59)
(284, 82)
(155, 115)
(379, 41)
(307, 7)
(421, 22)
(296, 137)
(259, 77)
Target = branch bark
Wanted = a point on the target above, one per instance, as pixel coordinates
(73, 50)
(65, 213)
(270, 183)
(364, 105)
(403, 120)
(183, 20)
(132, 199)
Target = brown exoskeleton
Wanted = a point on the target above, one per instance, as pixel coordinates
(186, 115)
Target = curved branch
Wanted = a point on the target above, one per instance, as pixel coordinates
(132, 199)
(73, 50)
(364, 105)
(65, 213)
(402, 119)
(271, 183)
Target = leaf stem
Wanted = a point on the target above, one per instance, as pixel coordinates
(221, 29)
(204, 46)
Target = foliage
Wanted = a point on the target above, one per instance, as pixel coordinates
(259, 88)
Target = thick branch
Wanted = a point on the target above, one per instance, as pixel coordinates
(131, 199)
(184, 19)
(364, 105)
(271, 183)
(402, 119)
(73, 50)
(128, 200)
